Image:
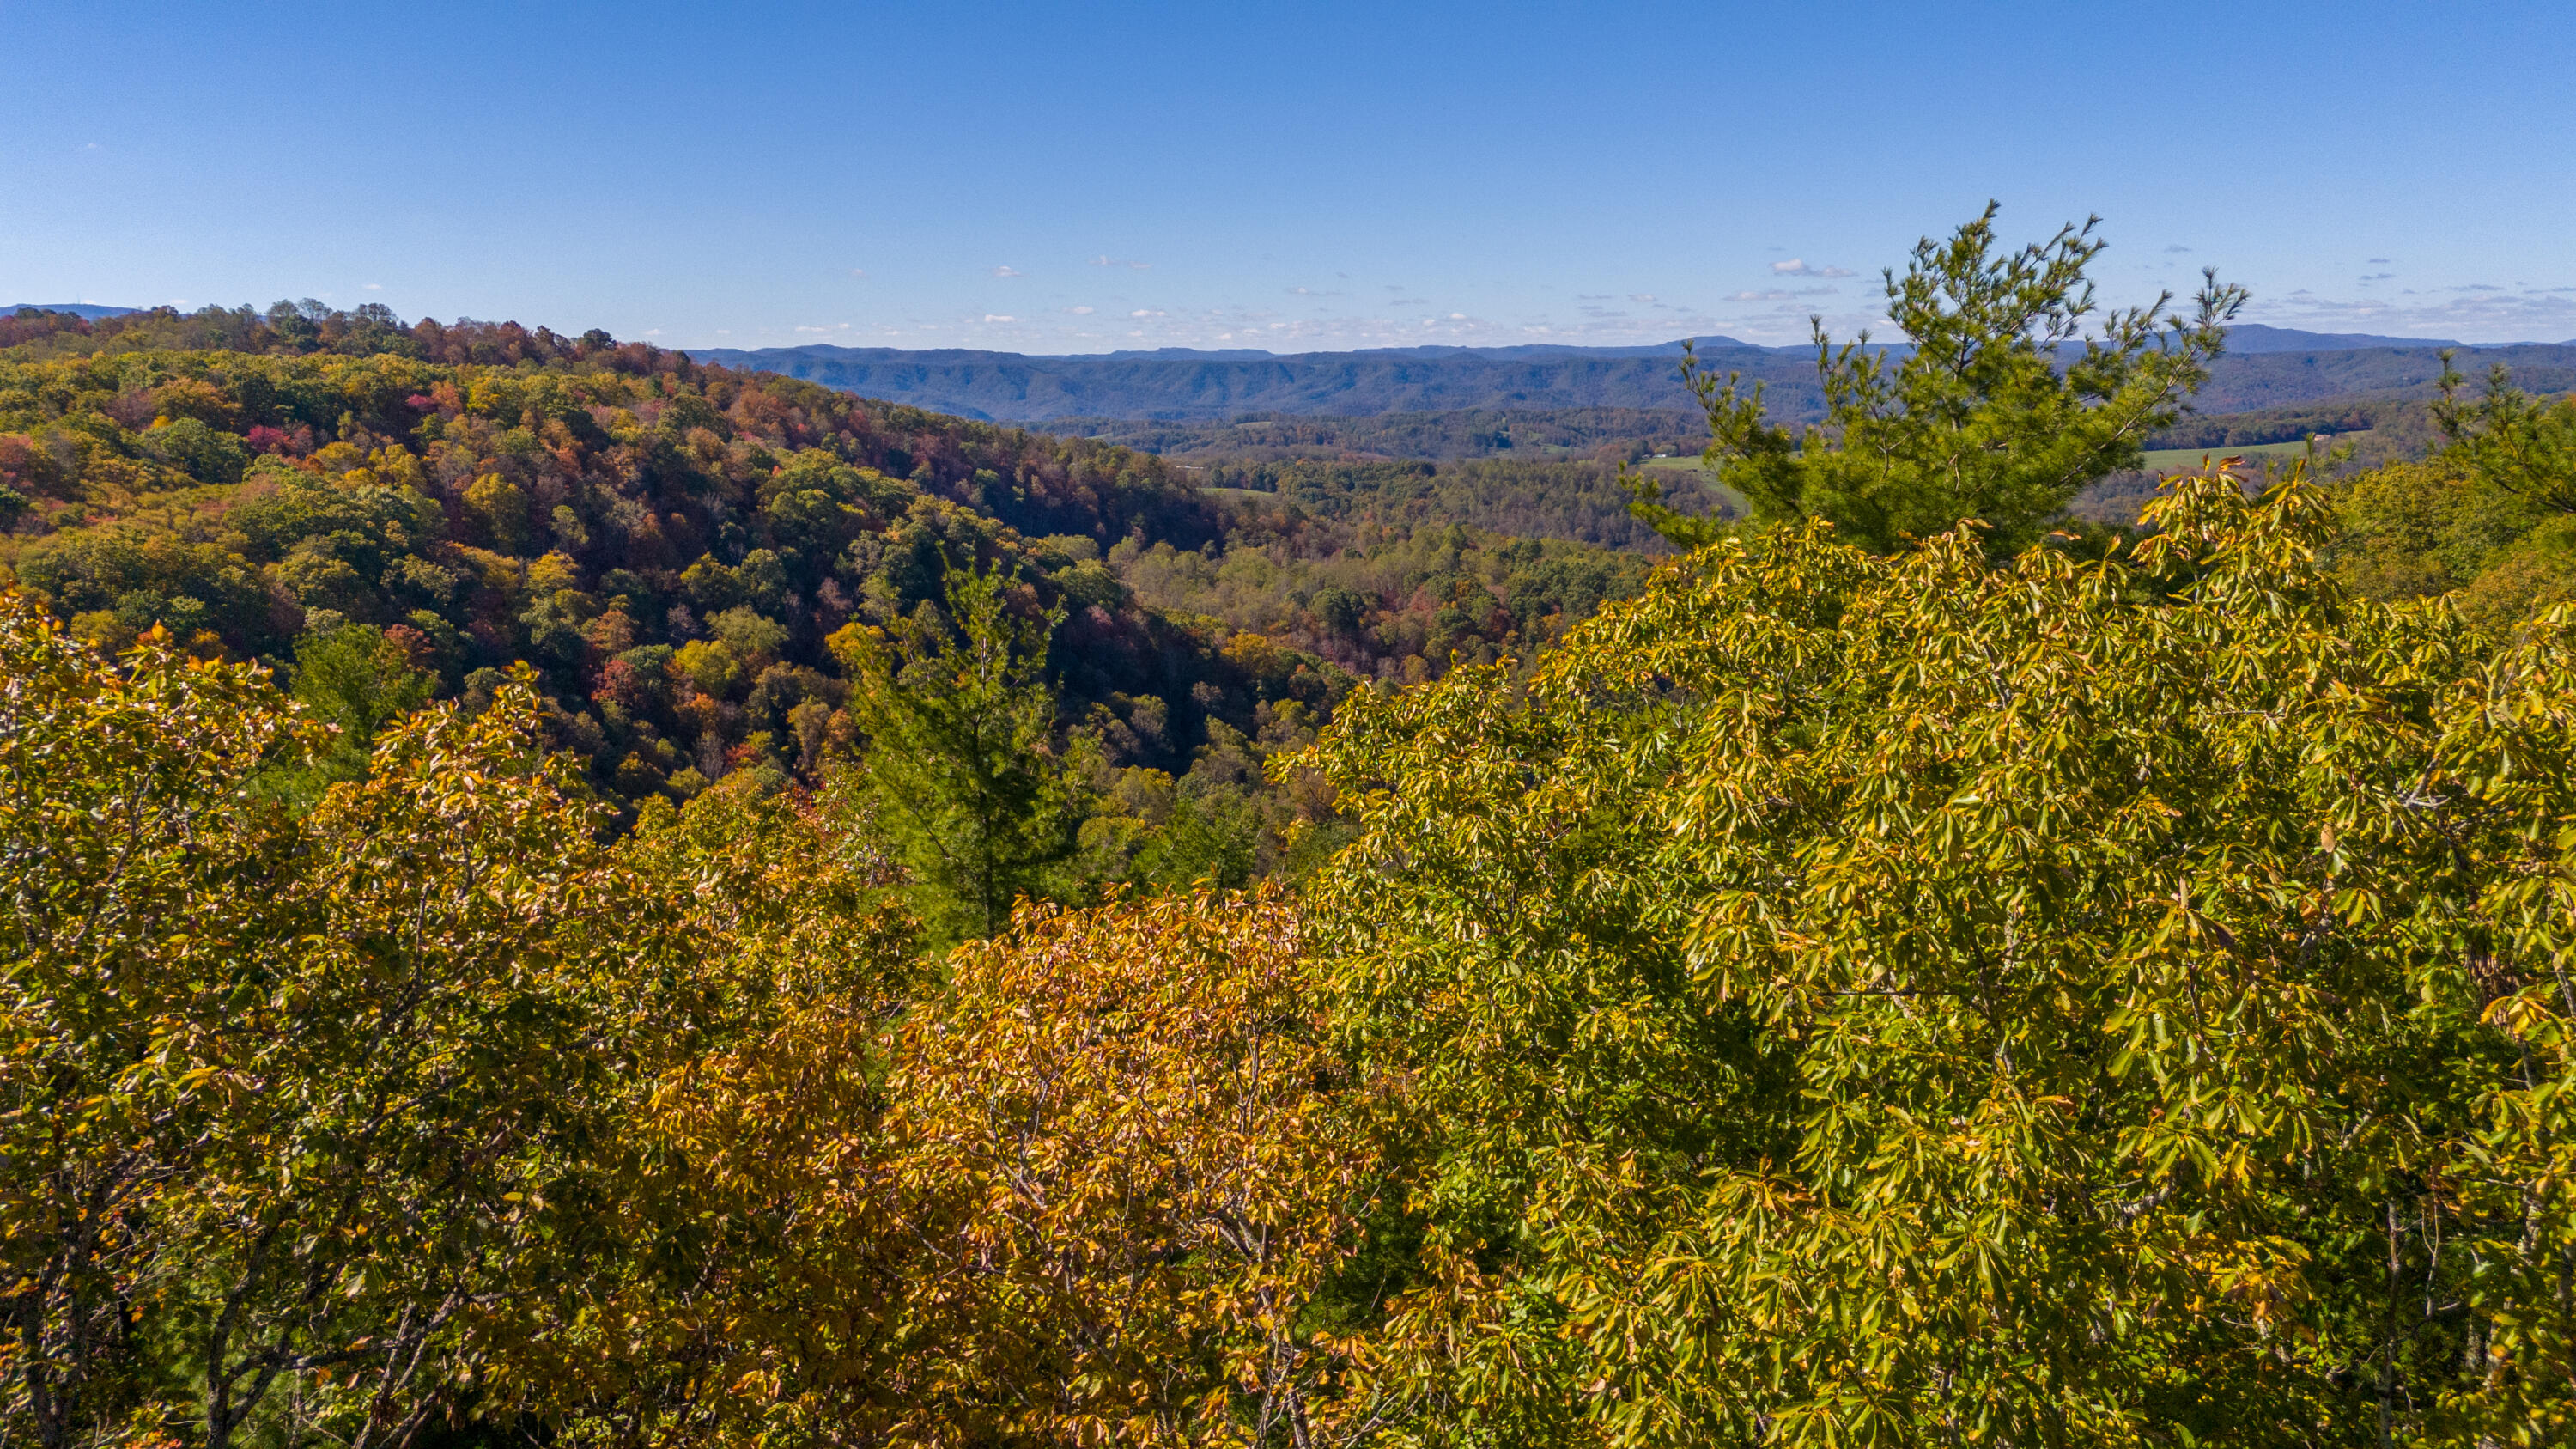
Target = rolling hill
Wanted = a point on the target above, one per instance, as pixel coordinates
(1003, 386)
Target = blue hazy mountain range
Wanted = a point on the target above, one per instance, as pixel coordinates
(87, 311)
(2244, 337)
(2265, 367)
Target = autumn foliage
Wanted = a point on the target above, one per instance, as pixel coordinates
(421, 1109)
(2114, 991)
(1126, 1142)
(1856, 999)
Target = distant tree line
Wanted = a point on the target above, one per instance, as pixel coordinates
(1435, 436)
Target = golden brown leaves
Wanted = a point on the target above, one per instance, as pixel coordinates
(1134, 1173)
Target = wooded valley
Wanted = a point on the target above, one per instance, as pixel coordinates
(561, 894)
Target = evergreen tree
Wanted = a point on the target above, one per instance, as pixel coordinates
(1994, 412)
(2508, 439)
(958, 715)
(357, 679)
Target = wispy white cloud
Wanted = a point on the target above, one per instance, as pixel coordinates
(1008, 272)
(1000, 317)
(1307, 324)
(1797, 267)
(1105, 260)
(2473, 312)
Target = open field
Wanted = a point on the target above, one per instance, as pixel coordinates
(1690, 463)
(2167, 460)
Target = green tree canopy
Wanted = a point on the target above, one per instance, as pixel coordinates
(1880, 1000)
(2509, 439)
(979, 798)
(2489, 517)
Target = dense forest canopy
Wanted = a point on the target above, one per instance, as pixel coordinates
(389, 513)
(555, 894)
(1433, 436)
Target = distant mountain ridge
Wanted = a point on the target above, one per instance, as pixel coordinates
(2247, 337)
(86, 311)
(1010, 387)
(2265, 367)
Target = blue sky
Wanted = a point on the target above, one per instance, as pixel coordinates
(1078, 178)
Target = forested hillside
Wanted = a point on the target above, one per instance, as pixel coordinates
(393, 513)
(551, 894)
(1431, 436)
(1351, 384)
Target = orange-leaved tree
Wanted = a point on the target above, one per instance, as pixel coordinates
(1135, 1173)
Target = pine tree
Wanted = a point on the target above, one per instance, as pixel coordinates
(974, 797)
(2007, 401)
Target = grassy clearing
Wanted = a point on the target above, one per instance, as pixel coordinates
(1690, 463)
(2168, 460)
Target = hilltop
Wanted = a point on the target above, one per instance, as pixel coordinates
(673, 547)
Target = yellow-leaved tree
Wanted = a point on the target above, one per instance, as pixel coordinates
(1130, 1160)
(760, 1294)
(422, 1109)
(1849, 999)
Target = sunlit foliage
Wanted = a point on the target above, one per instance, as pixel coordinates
(1889, 1000)
(1124, 1144)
